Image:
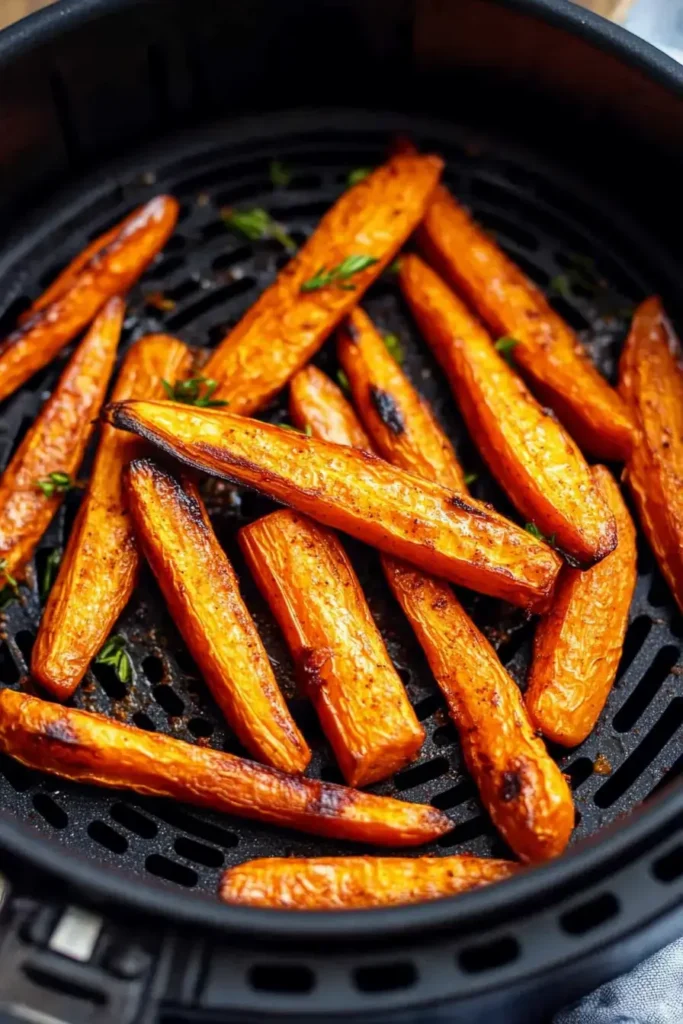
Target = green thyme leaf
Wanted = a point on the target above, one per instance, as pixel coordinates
(535, 532)
(395, 266)
(256, 224)
(340, 274)
(195, 391)
(50, 572)
(11, 583)
(360, 174)
(115, 655)
(561, 285)
(7, 595)
(55, 483)
(394, 347)
(308, 430)
(471, 478)
(505, 344)
(343, 381)
(280, 174)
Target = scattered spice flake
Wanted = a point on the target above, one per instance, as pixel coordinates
(601, 766)
(157, 300)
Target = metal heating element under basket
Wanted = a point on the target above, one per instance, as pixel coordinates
(595, 269)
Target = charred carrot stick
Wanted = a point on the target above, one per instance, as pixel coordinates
(109, 271)
(578, 644)
(402, 425)
(547, 349)
(90, 748)
(526, 449)
(520, 785)
(42, 469)
(348, 883)
(317, 405)
(651, 382)
(202, 594)
(305, 575)
(356, 492)
(99, 569)
(351, 246)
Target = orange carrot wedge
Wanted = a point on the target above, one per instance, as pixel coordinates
(99, 569)
(91, 748)
(351, 246)
(349, 883)
(317, 405)
(345, 669)
(402, 426)
(79, 295)
(651, 381)
(520, 785)
(579, 642)
(356, 492)
(532, 456)
(202, 594)
(547, 349)
(30, 494)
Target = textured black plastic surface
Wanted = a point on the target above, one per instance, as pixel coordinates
(596, 268)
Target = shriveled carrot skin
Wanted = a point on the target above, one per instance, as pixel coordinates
(317, 404)
(345, 669)
(90, 748)
(358, 493)
(110, 271)
(202, 593)
(56, 442)
(549, 351)
(99, 569)
(402, 425)
(286, 326)
(520, 785)
(578, 644)
(526, 449)
(651, 382)
(350, 883)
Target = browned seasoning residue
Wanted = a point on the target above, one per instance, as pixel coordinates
(601, 766)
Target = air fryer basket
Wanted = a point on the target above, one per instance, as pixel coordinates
(598, 255)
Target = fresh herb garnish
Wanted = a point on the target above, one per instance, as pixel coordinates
(505, 346)
(256, 224)
(115, 655)
(581, 274)
(360, 174)
(308, 430)
(157, 300)
(394, 347)
(50, 572)
(395, 266)
(11, 586)
(339, 275)
(55, 483)
(561, 285)
(196, 391)
(535, 532)
(280, 174)
(471, 478)
(343, 381)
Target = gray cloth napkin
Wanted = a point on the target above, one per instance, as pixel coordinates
(650, 994)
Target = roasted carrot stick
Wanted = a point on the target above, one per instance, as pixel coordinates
(578, 643)
(202, 594)
(305, 575)
(99, 569)
(91, 748)
(78, 296)
(348, 883)
(356, 492)
(351, 246)
(520, 785)
(651, 382)
(532, 456)
(402, 425)
(317, 404)
(547, 349)
(56, 442)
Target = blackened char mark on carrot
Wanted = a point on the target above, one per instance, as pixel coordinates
(328, 800)
(511, 787)
(388, 410)
(60, 730)
(457, 502)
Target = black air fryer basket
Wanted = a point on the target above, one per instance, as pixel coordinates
(565, 137)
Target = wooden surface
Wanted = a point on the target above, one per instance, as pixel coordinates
(12, 10)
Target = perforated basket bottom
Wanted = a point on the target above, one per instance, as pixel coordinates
(567, 243)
